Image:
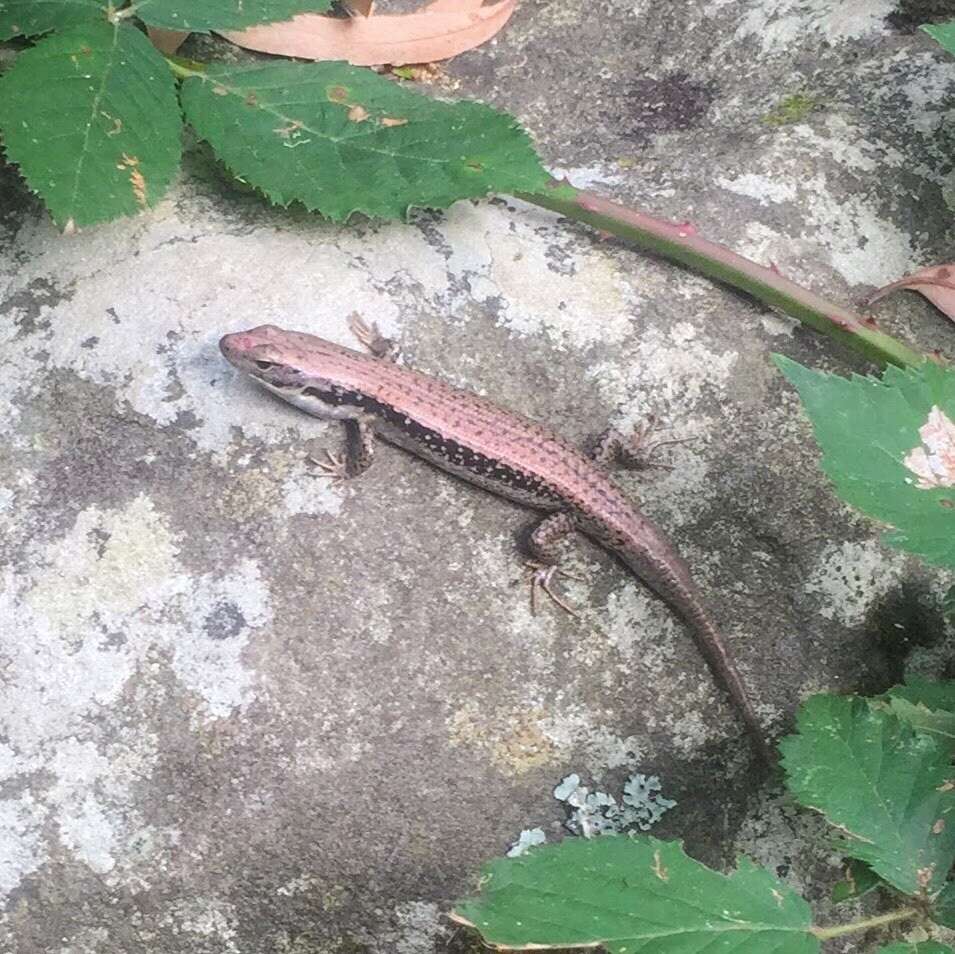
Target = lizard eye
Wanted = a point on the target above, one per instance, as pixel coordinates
(264, 365)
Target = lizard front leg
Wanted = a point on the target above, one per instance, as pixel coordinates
(369, 335)
(357, 456)
(544, 547)
(634, 451)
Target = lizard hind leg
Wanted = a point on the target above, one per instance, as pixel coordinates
(544, 547)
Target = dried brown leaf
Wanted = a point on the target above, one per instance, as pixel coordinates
(362, 8)
(937, 284)
(441, 30)
(166, 41)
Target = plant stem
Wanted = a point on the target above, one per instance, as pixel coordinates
(183, 68)
(853, 927)
(680, 243)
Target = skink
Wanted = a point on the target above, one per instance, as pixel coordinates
(496, 449)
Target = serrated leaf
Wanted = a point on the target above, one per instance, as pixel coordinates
(90, 115)
(923, 947)
(944, 33)
(889, 447)
(631, 895)
(933, 694)
(860, 880)
(343, 140)
(939, 724)
(222, 14)
(926, 706)
(33, 17)
(885, 786)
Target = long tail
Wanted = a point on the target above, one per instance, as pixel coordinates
(710, 642)
(653, 560)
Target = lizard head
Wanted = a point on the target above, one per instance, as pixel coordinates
(300, 368)
(266, 353)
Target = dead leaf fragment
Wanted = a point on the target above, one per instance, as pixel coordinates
(166, 41)
(934, 461)
(937, 284)
(362, 8)
(442, 29)
(136, 179)
(419, 72)
(391, 121)
(285, 132)
(358, 114)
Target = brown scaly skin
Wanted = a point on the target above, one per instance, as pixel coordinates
(486, 445)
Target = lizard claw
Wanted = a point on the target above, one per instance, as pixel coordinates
(372, 338)
(542, 579)
(335, 466)
(642, 449)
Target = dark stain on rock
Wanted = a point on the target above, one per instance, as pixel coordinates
(670, 104)
(911, 14)
(224, 622)
(26, 304)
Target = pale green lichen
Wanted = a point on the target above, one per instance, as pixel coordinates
(791, 109)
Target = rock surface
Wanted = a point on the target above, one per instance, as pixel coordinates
(248, 711)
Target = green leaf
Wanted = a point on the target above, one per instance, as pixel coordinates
(633, 894)
(924, 947)
(860, 879)
(33, 17)
(943, 911)
(925, 692)
(343, 140)
(926, 706)
(885, 786)
(90, 115)
(887, 446)
(934, 722)
(222, 14)
(944, 33)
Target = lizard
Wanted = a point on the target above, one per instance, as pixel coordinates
(496, 449)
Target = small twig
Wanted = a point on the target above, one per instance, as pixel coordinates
(679, 242)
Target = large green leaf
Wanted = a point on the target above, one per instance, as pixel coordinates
(90, 115)
(889, 447)
(633, 894)
(944, 33)
(885, 786)
(32, 17)
(343, 140)
(206, 15)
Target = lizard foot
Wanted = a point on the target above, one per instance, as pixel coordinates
(372, 338)
(335, 466)
(542, 579)
(640, 449)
